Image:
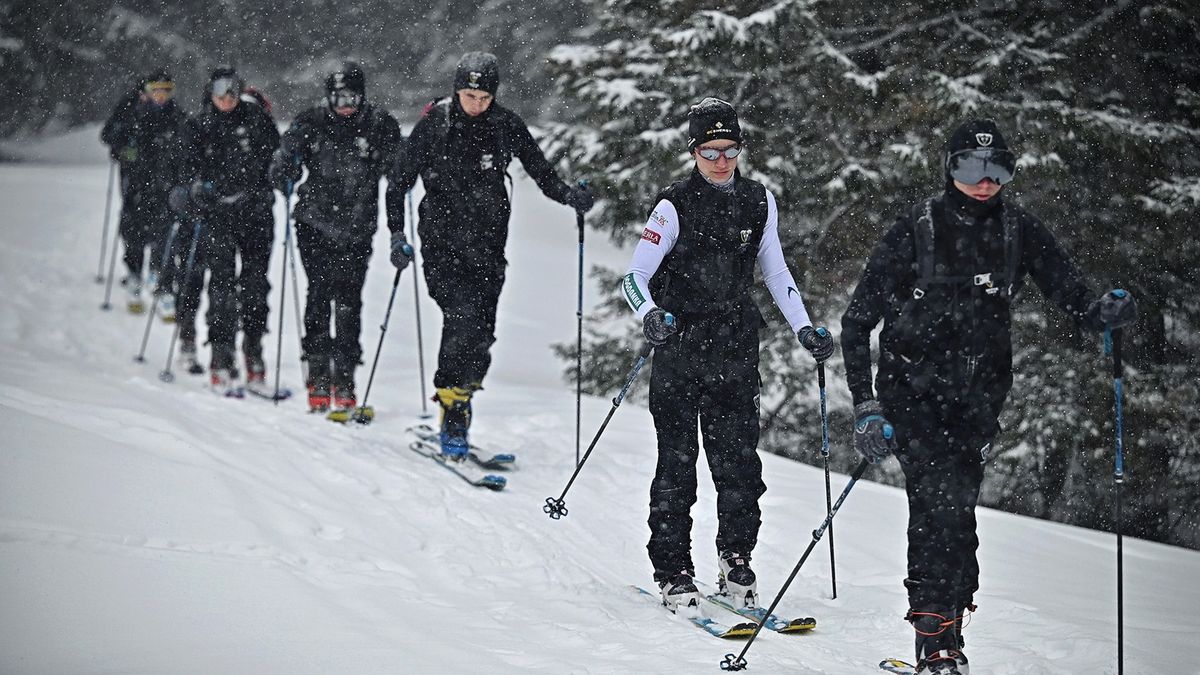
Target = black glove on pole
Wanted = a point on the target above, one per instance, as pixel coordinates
(412, 235)
(166, 255)
(166, 375)
(112, 172)
(738, 662)
(556, 508)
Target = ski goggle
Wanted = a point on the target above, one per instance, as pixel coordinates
(344, 98)
(972, 166)
(713, 154)
(227, 86)
(162, 89)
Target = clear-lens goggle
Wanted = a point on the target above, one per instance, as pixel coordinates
(344, 98)
(972, 166)
(713, 154)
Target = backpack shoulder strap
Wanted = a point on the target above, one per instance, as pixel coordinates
(922, 220)
(1012, 248)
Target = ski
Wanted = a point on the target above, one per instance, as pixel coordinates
(757, 614)
(361, 414)
(897, 666)
(263, 391)
(460, 469)
(495, 461)
(711, 626)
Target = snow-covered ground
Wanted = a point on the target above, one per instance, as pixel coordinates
(156, 528)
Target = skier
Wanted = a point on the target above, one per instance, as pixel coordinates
(143, 136)
(228, 147)
(461, 149)
(943, 279)
(347, 145)
(696, 261)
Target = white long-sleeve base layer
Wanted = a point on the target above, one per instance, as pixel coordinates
(659, 237)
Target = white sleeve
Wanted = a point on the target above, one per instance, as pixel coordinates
(662, 230)
(776, 274)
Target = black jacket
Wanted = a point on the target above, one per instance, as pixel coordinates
(145, 139)
(950, 352)
(345, 157)
(463, 162)
(230, 150)
(710, 270)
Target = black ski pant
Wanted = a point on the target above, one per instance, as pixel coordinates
(708, 373)
(145, 220)
(943, 471)
(237, 297)
(468, 291)
(189, 284)
(336, 273)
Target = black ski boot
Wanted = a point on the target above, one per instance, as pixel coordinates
(223, 374)
(737, 580)
(939, 651)
(679, 593)
(342, 392)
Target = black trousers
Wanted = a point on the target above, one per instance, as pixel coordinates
(188, 283)
(467, 291)
(336, 274)
(238, 298)
(145, 220)
(943, 471)
(708, 374)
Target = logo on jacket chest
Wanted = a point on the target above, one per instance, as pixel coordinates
(487, 161)
(364, 146)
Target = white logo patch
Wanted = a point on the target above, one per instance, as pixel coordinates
(983, 139)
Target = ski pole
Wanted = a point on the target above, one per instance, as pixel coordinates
(112, 269)
(170, 242)
(738, 662)
(412, 237)
(1112, 344)
(579, 336)
(825, 459)
(287, 246)
(166, 375)
(557, 508)
(362, 414)
(112, 171)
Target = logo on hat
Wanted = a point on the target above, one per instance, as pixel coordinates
(983, 139)
(473, 79)
(745, 236)
(720, 126)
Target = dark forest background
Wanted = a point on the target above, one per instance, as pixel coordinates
(845, 105)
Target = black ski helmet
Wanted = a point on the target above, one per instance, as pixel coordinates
(346, 82)
(477, 70)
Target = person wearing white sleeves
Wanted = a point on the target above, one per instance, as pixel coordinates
(695, 261)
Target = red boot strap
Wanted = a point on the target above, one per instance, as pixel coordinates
(943, 624)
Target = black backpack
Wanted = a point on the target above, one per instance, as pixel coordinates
(1003, 283)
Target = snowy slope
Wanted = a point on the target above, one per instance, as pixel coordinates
(150, 528)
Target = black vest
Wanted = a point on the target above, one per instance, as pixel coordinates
(711, 268)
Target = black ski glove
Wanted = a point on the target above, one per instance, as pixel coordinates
(874, 436)
(202, 194)
(283, 172)
(817, 341)
(177, 199)
(402, 251)
(658, 326)
(1115, 309)
(581, 198)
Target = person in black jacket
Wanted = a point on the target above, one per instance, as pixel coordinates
(461, 149)
(143, 136)
(942, 279)
(695, 263)
(228, 147)
(347, 145)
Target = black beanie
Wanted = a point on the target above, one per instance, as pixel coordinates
(712, 119)
(975, 134)
(477, 70)
(348, 77)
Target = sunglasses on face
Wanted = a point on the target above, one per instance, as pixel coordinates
(161, 89)
(712, 154)
(972, 166)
